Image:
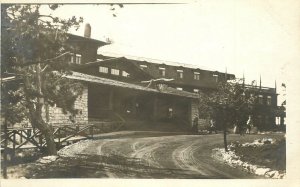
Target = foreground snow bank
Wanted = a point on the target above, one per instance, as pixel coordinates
(233, 160)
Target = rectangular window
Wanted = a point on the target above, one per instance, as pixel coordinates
(162, 71)
(180, 74)
(260, 99)
(125, 74)
(178, 88)
(72, 58)
(216, 77)
(143, 66)
(196, 75)
(75, 58)
(103, 69)
(269, 100)
(78, 59)
(277, 120)
(115, 72)
(196, 90)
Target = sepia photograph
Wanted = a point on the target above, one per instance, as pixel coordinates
(145, 90)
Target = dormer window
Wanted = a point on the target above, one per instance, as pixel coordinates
(142, 66)
(215, 77)
(196, 75)
(115, 71)
(180, 74)
(162, 71)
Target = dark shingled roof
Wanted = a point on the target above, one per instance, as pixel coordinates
(110, 82)
(76, 38)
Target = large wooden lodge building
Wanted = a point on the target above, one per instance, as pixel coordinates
(136, 89)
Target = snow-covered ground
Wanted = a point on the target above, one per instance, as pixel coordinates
(235, 161)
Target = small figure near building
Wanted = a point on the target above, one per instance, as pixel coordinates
(249, 125)
(212, 126)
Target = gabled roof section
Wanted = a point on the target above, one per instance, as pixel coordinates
(81, 39)
(163, 62)
(115, 83)
(129, 65)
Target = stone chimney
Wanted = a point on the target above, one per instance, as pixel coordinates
(87, 30)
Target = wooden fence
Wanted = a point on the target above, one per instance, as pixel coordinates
(22, 138)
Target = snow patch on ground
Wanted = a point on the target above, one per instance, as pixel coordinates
(258, 142)
(47, 159)
(233, 160)
(74, 149)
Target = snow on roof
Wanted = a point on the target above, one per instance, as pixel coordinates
(110, 82)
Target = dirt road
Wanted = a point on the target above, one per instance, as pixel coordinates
(174, 156)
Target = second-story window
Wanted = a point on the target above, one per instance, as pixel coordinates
(215, 77)
(78, 59)
(269, 100)
(115, 71)
(75, 58)
(196, 75)
(180, 74)
(103, 69)
(162, 71)
(260, 99)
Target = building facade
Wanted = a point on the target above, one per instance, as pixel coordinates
(130, 88)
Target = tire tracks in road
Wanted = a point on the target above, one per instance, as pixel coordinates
(183, 158)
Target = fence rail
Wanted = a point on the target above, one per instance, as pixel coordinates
(22, 138)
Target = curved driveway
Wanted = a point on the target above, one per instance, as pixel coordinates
(184, 156)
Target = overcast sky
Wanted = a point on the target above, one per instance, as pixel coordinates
(251, 36)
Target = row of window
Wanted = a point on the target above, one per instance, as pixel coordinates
(162, 72)
(260, 99)
(75, 58)
(113, 71)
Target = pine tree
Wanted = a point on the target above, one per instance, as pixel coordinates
(34, 50)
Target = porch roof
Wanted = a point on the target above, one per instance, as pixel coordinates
(115, 83)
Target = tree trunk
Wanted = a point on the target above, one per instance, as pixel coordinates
(47, 131)
(36, 114)
(224, 131)
(45, 128)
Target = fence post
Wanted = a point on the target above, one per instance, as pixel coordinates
(92, 131)
(21, 137)
(14, 144)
